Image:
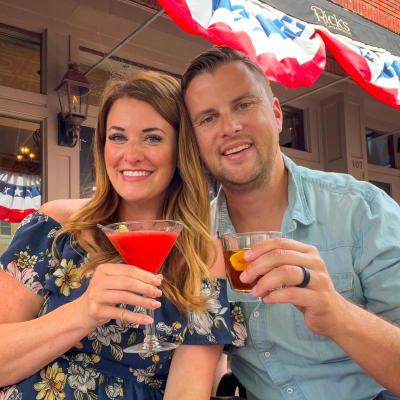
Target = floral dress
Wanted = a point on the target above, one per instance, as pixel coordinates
(97, 367)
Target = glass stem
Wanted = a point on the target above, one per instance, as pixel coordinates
(150, 330)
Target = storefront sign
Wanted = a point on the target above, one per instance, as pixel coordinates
(331, 20)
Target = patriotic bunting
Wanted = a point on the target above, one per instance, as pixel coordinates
(19, 196)
(288, 50)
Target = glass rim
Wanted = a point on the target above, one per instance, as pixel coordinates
(242, 234)
(114, 225)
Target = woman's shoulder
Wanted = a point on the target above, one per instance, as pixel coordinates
(60, 210)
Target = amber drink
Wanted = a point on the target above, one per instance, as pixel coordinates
(235, 246)
(235, 265)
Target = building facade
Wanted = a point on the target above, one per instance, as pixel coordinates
(332, 126)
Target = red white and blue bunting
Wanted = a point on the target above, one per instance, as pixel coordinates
(20, 195)
(288, 50)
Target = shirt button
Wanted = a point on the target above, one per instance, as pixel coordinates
(256, 314)
(289, 390)
(267, 354)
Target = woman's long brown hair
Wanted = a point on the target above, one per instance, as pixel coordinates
(187, 197)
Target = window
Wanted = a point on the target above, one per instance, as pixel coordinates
(20, 146)
(292, 134)
(20, 171)
(380, 149)
(386, 187)
(5, 228)
(20, 59)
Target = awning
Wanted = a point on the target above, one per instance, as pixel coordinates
(341, 21)
(291, 50)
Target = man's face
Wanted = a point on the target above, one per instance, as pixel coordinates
(237, 125)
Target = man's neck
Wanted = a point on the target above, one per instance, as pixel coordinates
(262, 208)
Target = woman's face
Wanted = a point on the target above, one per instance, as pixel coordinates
(140, 154)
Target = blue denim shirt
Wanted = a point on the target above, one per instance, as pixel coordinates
(356, 228)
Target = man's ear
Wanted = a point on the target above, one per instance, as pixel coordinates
(276, 107)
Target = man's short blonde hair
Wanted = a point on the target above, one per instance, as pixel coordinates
(210, 60)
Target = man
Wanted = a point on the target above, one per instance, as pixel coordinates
(324, 334)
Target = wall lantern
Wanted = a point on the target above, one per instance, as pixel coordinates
(73, 93)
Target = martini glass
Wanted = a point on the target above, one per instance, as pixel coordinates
(145, 244)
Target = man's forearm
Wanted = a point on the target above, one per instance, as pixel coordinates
(373, 343)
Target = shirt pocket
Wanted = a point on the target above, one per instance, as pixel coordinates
(344, 284)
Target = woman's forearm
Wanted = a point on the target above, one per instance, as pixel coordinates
(28, 346)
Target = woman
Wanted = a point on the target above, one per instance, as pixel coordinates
(68, 305)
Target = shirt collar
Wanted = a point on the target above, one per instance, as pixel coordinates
(298, 208)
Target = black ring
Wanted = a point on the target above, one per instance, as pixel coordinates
(306, 277)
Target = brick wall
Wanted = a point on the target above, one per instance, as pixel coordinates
(383, 12)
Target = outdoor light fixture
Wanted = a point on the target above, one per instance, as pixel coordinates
(73, 93)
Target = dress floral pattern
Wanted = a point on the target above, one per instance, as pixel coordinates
(96, 368)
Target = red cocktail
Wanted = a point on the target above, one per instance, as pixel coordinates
(145, 244)
(144, 249)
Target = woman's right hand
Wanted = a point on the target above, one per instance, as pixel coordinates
(113, 284)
